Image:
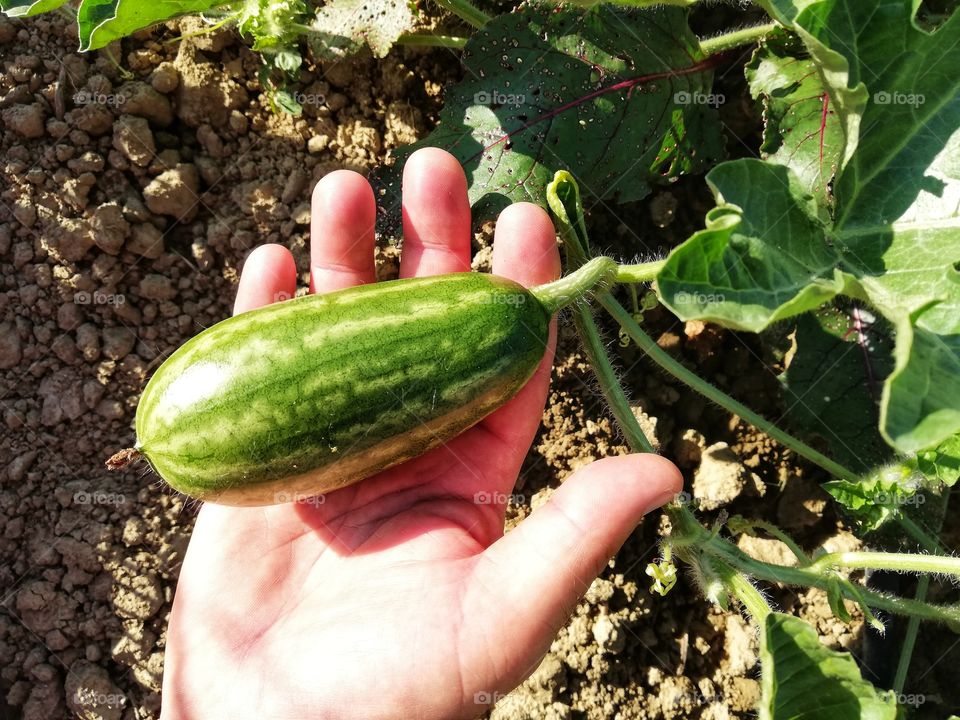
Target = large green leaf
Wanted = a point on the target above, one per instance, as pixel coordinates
(803, 680)
(801, 130)
(896, 226)
(617, 97)
(761, 257)
(834, 380)
(103, 21)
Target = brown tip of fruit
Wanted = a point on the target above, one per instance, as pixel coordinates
(122, 459)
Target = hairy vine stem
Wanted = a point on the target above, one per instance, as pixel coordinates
(687, 532)
(737, 38)
(679, 371)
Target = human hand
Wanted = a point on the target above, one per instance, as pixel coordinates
(399, 596)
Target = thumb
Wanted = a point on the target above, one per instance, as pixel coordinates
(539, 570)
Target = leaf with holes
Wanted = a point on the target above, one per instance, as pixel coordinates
(342, 27)
(619, 98)
(801, 130)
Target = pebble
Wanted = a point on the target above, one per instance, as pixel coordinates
(118, 342)
(141, 99)
(157, 287)
(174, 192)
(109, 228)
(20, 465)
(10, 348)
(146, 240)
(165, 78)
(88, 341)
(133, 138)
(91, 693)
(25, 120)
(138, 597)
(720, 478)
(72, 239)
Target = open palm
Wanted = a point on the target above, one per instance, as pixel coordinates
(399, 596)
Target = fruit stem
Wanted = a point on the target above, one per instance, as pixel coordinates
(595, 276)
(122, 459)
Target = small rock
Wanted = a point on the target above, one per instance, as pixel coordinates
(143, 100)
(10, 348)
(295, 185)
(25, 212)
(157, 287)
(205, 94)
(94, 119)
(134, 530)
(150, 673)
(110, 409)
(109, 228)
(147, 241)
(134, 645)
(317, 144)
(137, 597)
(88, 341)
(688, 448)
(174, 192)
(25, 120)
(133, 138)
(740, 642)
(91, 694)
(202, 254)
(72, 238)
(720, 478)
(801, 504)
(45, 702)
(20, 465)
(608, 634)
(118, 342)
(165, 78)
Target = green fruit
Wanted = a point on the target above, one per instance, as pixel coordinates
(306, 396)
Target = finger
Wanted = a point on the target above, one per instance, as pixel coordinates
(436, 215)
(563, 545)
(342, 218)
(269, 274)
(525, 250)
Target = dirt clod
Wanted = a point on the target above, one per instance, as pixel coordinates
(720, 478)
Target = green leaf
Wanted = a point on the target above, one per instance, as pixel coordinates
(834, 380)
(761, 257)
(25, 8)
(801, 131)
(942, 464)
(342, 27)
(880, 496)
(895, 231)
(103, 21)
(619, 98)
(803, 680)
